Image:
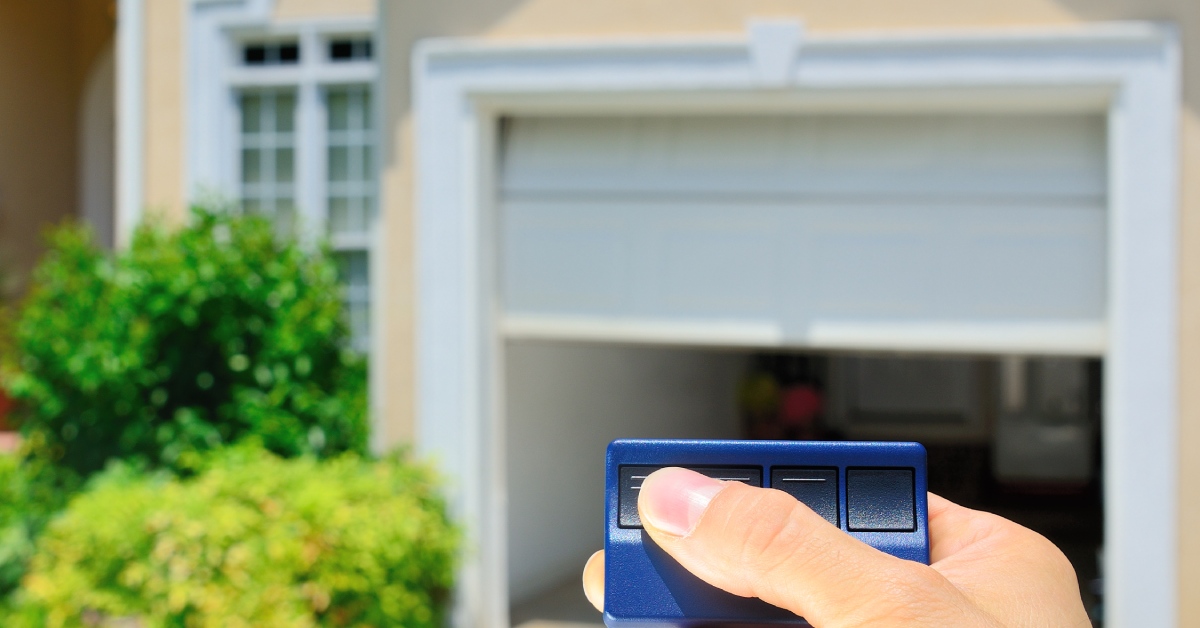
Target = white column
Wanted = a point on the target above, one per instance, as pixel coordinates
(130, 105)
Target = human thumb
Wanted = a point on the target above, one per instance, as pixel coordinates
(757, 542)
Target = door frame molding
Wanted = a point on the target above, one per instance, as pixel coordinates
(1129, 71)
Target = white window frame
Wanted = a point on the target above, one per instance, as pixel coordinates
(1130, 71)
(215, 72)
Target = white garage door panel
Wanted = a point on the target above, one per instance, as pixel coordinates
(1053, 156)
(974, 227)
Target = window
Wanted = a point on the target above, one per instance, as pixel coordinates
(350, 184)
(350, 49)
(307, 153)
(271, 53)
(350, 161)
(268, 154)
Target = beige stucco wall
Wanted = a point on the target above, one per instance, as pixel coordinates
(47, 50)
(286, 9)
(407, 22)
(163, 131)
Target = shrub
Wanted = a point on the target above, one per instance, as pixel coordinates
(30, 493)
(190, 339)
(250, 540)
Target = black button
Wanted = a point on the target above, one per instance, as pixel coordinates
(880, 500)
(632, 477)
(813, 487)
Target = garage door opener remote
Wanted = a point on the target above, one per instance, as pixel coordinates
(874, 491)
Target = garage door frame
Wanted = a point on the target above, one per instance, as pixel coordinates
(1129, 70)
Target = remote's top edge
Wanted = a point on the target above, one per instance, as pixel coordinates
(771, 445)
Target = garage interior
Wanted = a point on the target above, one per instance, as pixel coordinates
(1017, 436)
(930, 277)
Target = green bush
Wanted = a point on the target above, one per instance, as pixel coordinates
(191, 339)
(250, 540)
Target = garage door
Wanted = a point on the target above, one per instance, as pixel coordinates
(911, 232)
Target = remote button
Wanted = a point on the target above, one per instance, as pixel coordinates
(814, 487)
(880, 500)
(631, 483)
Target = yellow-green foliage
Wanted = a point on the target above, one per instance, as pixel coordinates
(250, 540)
(31, 491)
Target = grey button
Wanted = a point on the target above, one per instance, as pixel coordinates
(631, 484)
(816, 488)
(880, 500)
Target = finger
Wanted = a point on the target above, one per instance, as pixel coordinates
(953, 527)
(975, 550)
(593, 580)
(763, 543)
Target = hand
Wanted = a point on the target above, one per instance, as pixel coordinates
(757, 542)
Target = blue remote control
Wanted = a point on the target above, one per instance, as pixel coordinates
(873, 491)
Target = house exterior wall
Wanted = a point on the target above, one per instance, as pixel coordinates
(163, 190)
(285, 9)
(47, 51)
(403, 24)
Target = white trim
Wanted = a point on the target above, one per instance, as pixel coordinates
(381, 436)
(351, 72)
(698, 333)
(1082, 339)
(131, 68)
(461, 87)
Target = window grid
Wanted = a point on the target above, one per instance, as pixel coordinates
(350, 189)
(268, 157)
(338, 123)
(350, 160)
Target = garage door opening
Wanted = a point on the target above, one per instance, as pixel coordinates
(1014, 435)
(901, 255)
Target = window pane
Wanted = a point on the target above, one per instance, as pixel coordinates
(339, 163)
(339, 214)
(361, 222)
(254, 54)
(289, 53)
(353, 267)
(360, 325)
(354, 217)
(366, 164)
(285, 112)
(339, 108)
(354, 113)
(284, 216)
(251, 113)
(367, 112)
(350, 49)
(251, 165)
(284, 166)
